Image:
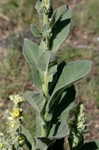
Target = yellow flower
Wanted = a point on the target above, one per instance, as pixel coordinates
(1, 145)
(16, 98)
(12, 125)
(16, 112)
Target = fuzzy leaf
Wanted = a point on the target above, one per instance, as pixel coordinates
(39, 130)
(63, 129)
(56, 75)
(63, 96)
(58, 108)
(59, 130)
(35, 31)
(29, 115)
(33, 121)
(38, 6)
(61, 28)
(32, 53)
(97, 143)
(35, 99)
(43, 143)
(60, 13)
(44, 60)
(72, 72)
(28, 138)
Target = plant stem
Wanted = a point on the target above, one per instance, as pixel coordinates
(47, 11)
(47, 8)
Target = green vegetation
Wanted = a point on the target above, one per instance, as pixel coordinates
(13, 78)
(86, 16)
(19, 11)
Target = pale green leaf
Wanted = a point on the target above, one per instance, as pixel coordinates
(61, 95)
(38, 6)
(31, 52)
(58, 108)
(35, 99)
(72, 72)
(61, 28)
(44, 60)
(60, 13)
(35, 31)
(28, 137)
(39, 129)
(97, 143)
(41, 145)
(59, 130)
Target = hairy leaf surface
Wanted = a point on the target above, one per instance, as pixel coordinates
(35, 31)
(31, 52)
(61, 27)
(72, 72)
(58, 109)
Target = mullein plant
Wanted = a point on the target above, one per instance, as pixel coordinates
(59, 120)
(13, 138)
(54, 79)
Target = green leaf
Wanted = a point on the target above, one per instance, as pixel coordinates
(61, 95)
(61, 28)
(29, 114)
(40, 145)
(56, 74)
(35, 31)
(35, 99)
(31, 52)
(43, 143)
(72, 72)
(28, 138)
(33, 121)
(38, 6)
(63, 129)
(44, 60)
(59, 130)
(39, 129)
(60, 13)
(97, 143)
(59, 108)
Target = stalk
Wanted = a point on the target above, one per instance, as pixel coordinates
(47, 12)
(47, 5)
